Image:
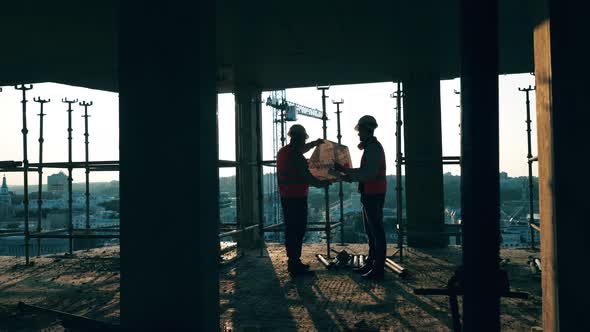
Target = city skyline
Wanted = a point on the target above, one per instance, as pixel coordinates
(374, 99)
(103, 129)
(359, 99)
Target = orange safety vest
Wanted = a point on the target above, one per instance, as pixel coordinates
(379, 184)
(291, 184)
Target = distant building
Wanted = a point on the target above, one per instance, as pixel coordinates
(355, 199)
(503, 176)
(57, 183)
(452, 216)
(6, 209)
(511, 239)
(56, 220)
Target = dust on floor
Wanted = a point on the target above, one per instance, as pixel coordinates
(257, 294)
(86, 284)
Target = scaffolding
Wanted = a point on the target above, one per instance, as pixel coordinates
(400, 162)
(530, 159)
(70, 233)
(282, 112)
(279, 104)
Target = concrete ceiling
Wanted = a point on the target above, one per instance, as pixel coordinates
(60, 41)
(275, 44)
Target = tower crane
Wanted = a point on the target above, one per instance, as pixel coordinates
(287, 111)
(283, 111)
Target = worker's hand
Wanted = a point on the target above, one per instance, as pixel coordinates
(346, 178)
(339, 168)
(318, 141)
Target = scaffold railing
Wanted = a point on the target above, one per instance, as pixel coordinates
(25, 167)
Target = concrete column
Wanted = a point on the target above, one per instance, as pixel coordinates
(423, 153)
(562, 122)
(168, 154)
(480, 182)
(248, 107)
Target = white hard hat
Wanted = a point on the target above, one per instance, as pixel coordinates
(297, 130)
(366, 121)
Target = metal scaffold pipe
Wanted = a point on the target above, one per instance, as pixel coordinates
(326, 190)
(24, 88)
(260, 172)
(398, 171)
(282, 122)
(340, 188)
(283, 111)
(40, 170)
(70, 169)
(530, 163)
(87, 166)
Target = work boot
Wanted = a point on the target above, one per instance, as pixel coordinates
(363, 269)
(300, 271)
(304, 266)
(298, 264)
(374, 274)
(296, 267)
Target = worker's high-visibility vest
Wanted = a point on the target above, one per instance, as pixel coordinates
(378, 185)
(291, 183)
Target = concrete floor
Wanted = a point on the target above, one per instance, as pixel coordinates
(87, 285)
(257, 294)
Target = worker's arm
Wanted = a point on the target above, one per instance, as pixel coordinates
(370, 169)
(312, 145)
(303, 171)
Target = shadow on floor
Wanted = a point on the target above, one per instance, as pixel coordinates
(252, 298)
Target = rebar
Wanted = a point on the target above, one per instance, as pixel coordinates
(24, 131)
(40, 170)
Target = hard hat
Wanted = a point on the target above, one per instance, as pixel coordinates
(366, 121)
(297, 130)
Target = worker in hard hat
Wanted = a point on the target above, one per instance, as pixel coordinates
(294, 180)
(372, 186)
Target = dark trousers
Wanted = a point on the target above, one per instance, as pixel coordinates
(373, 220)
(295, 215)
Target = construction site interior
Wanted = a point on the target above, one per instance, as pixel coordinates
(172, 74)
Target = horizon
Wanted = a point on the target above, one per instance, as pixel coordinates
(359, 99)
(444, 174)
(374, 99)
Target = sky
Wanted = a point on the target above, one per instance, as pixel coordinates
(103, 129)
(361, 99)
(374, 99)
